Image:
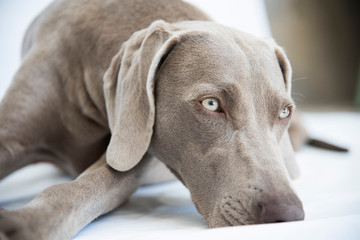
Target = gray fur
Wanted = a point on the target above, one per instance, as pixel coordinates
(106, 88)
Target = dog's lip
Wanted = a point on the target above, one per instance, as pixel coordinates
(224, 220)
(226, 214)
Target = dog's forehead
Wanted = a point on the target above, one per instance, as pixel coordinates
(234, 57)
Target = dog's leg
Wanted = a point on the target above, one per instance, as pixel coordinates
(41, 121)
(62, 210)
(28, 114)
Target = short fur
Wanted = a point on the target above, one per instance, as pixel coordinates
(105, 87)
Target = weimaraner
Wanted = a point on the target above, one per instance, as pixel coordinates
(106, 88)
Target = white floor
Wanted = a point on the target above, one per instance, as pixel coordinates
(329, 189)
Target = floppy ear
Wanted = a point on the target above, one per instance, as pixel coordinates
(286, 147)
(129, 93)
(285, 67)
(285, 143)
(284, 63)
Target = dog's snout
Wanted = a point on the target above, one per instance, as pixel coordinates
(276, 208)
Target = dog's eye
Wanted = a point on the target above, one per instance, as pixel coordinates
(211, 104)
(285, 113)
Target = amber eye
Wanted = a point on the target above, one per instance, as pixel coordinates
(211, 104)
(285, 113)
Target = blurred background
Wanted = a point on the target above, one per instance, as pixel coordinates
(321, 39)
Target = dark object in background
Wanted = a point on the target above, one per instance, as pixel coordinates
(325, 145)
(321, 39)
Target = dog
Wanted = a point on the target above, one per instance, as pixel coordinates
(113, 91)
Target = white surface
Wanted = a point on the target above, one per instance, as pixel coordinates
(329, 189)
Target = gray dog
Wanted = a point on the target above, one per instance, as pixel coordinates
(106, 88)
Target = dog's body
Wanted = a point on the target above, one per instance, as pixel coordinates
(67, 106)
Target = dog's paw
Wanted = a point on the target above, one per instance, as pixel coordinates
(14, 227)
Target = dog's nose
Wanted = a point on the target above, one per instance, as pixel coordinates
(280, 208)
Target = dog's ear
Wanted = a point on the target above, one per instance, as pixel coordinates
(285, 143)
(129, 93)
(285, 67)
(284, 63)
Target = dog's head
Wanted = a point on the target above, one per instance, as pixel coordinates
(214, 105)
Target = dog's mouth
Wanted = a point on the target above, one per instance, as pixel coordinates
(230, 212)
(233, 211)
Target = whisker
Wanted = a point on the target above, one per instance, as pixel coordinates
(299, 78)
(226, 220)
(244, 208)
(298, 97)
(298, 94)
(299, 100)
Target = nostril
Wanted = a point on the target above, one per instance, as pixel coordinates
(282, 213)
(261, 208)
